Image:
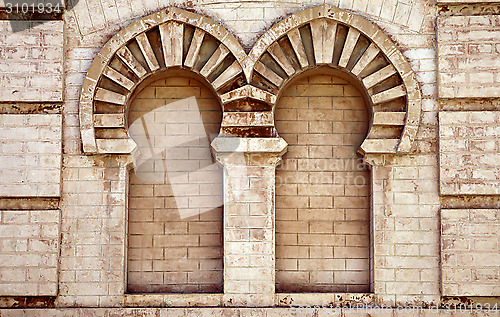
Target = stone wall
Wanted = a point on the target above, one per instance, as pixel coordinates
(29, 252)
(470, 252)
(175, 195)
(31, 61)
(469, 56)
(30, 164)
(468, 148)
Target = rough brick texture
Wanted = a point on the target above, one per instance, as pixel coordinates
(175, 203)
(249, 229)
(405, 263)
(30, 164)
(469, 56)
(468, 152)
(470, 252)
(322, 189)
(31, 61)
(405, 228)
(29, 252)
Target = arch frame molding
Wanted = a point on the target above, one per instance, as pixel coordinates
(230, 72)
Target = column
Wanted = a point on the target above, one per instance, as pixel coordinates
(249, 243)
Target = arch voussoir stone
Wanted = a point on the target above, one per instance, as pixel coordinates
(326, 35)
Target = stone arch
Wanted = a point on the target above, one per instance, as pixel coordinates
(168, 39)
(326, 35)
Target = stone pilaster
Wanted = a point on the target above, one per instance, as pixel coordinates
(249, 240)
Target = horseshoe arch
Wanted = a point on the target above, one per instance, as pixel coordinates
(177, 39)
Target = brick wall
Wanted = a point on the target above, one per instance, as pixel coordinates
(31, 60)
(247, 22)
(470, 252)
(322, 189)
(468, 152)
(406, 229)
(93, 206)
(30, 164)
(29, 252)
(407, 202)
(175, 213)
(469, 56)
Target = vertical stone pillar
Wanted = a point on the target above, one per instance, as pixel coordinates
(249, 243)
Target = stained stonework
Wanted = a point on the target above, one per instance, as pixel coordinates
(29, 252)
(175, 195)
(31, 61)
(112, 115)
(469, 56)
(468, 152)
(30, 164)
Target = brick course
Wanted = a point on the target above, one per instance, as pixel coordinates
(404, 232)
(30, 164)
(468, 152)
(469, 56)
(31, 61)
(470, 252)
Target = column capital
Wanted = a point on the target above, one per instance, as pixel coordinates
(249, 151)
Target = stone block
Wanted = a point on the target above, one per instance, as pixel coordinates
(466, 60)
(29, 252)
(30, 164)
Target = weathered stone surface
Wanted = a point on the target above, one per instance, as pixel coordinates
(29, 252)
(404, 190)
(30, 160)
(470, 252)
(468, 152)
(469, 56)
(225, 76)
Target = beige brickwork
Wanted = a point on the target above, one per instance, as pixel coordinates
(470, 252)
(29, 252)
(248, 231)
(322, 188)
(120, 236)
(469, 56)
(175, 197)
(31, 61)
(93, 226)
(468, 152)
(250, 20)
(30, 164)
(405, 226)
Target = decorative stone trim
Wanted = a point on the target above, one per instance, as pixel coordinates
(381, 69)
(128, 59)
(173, 39)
